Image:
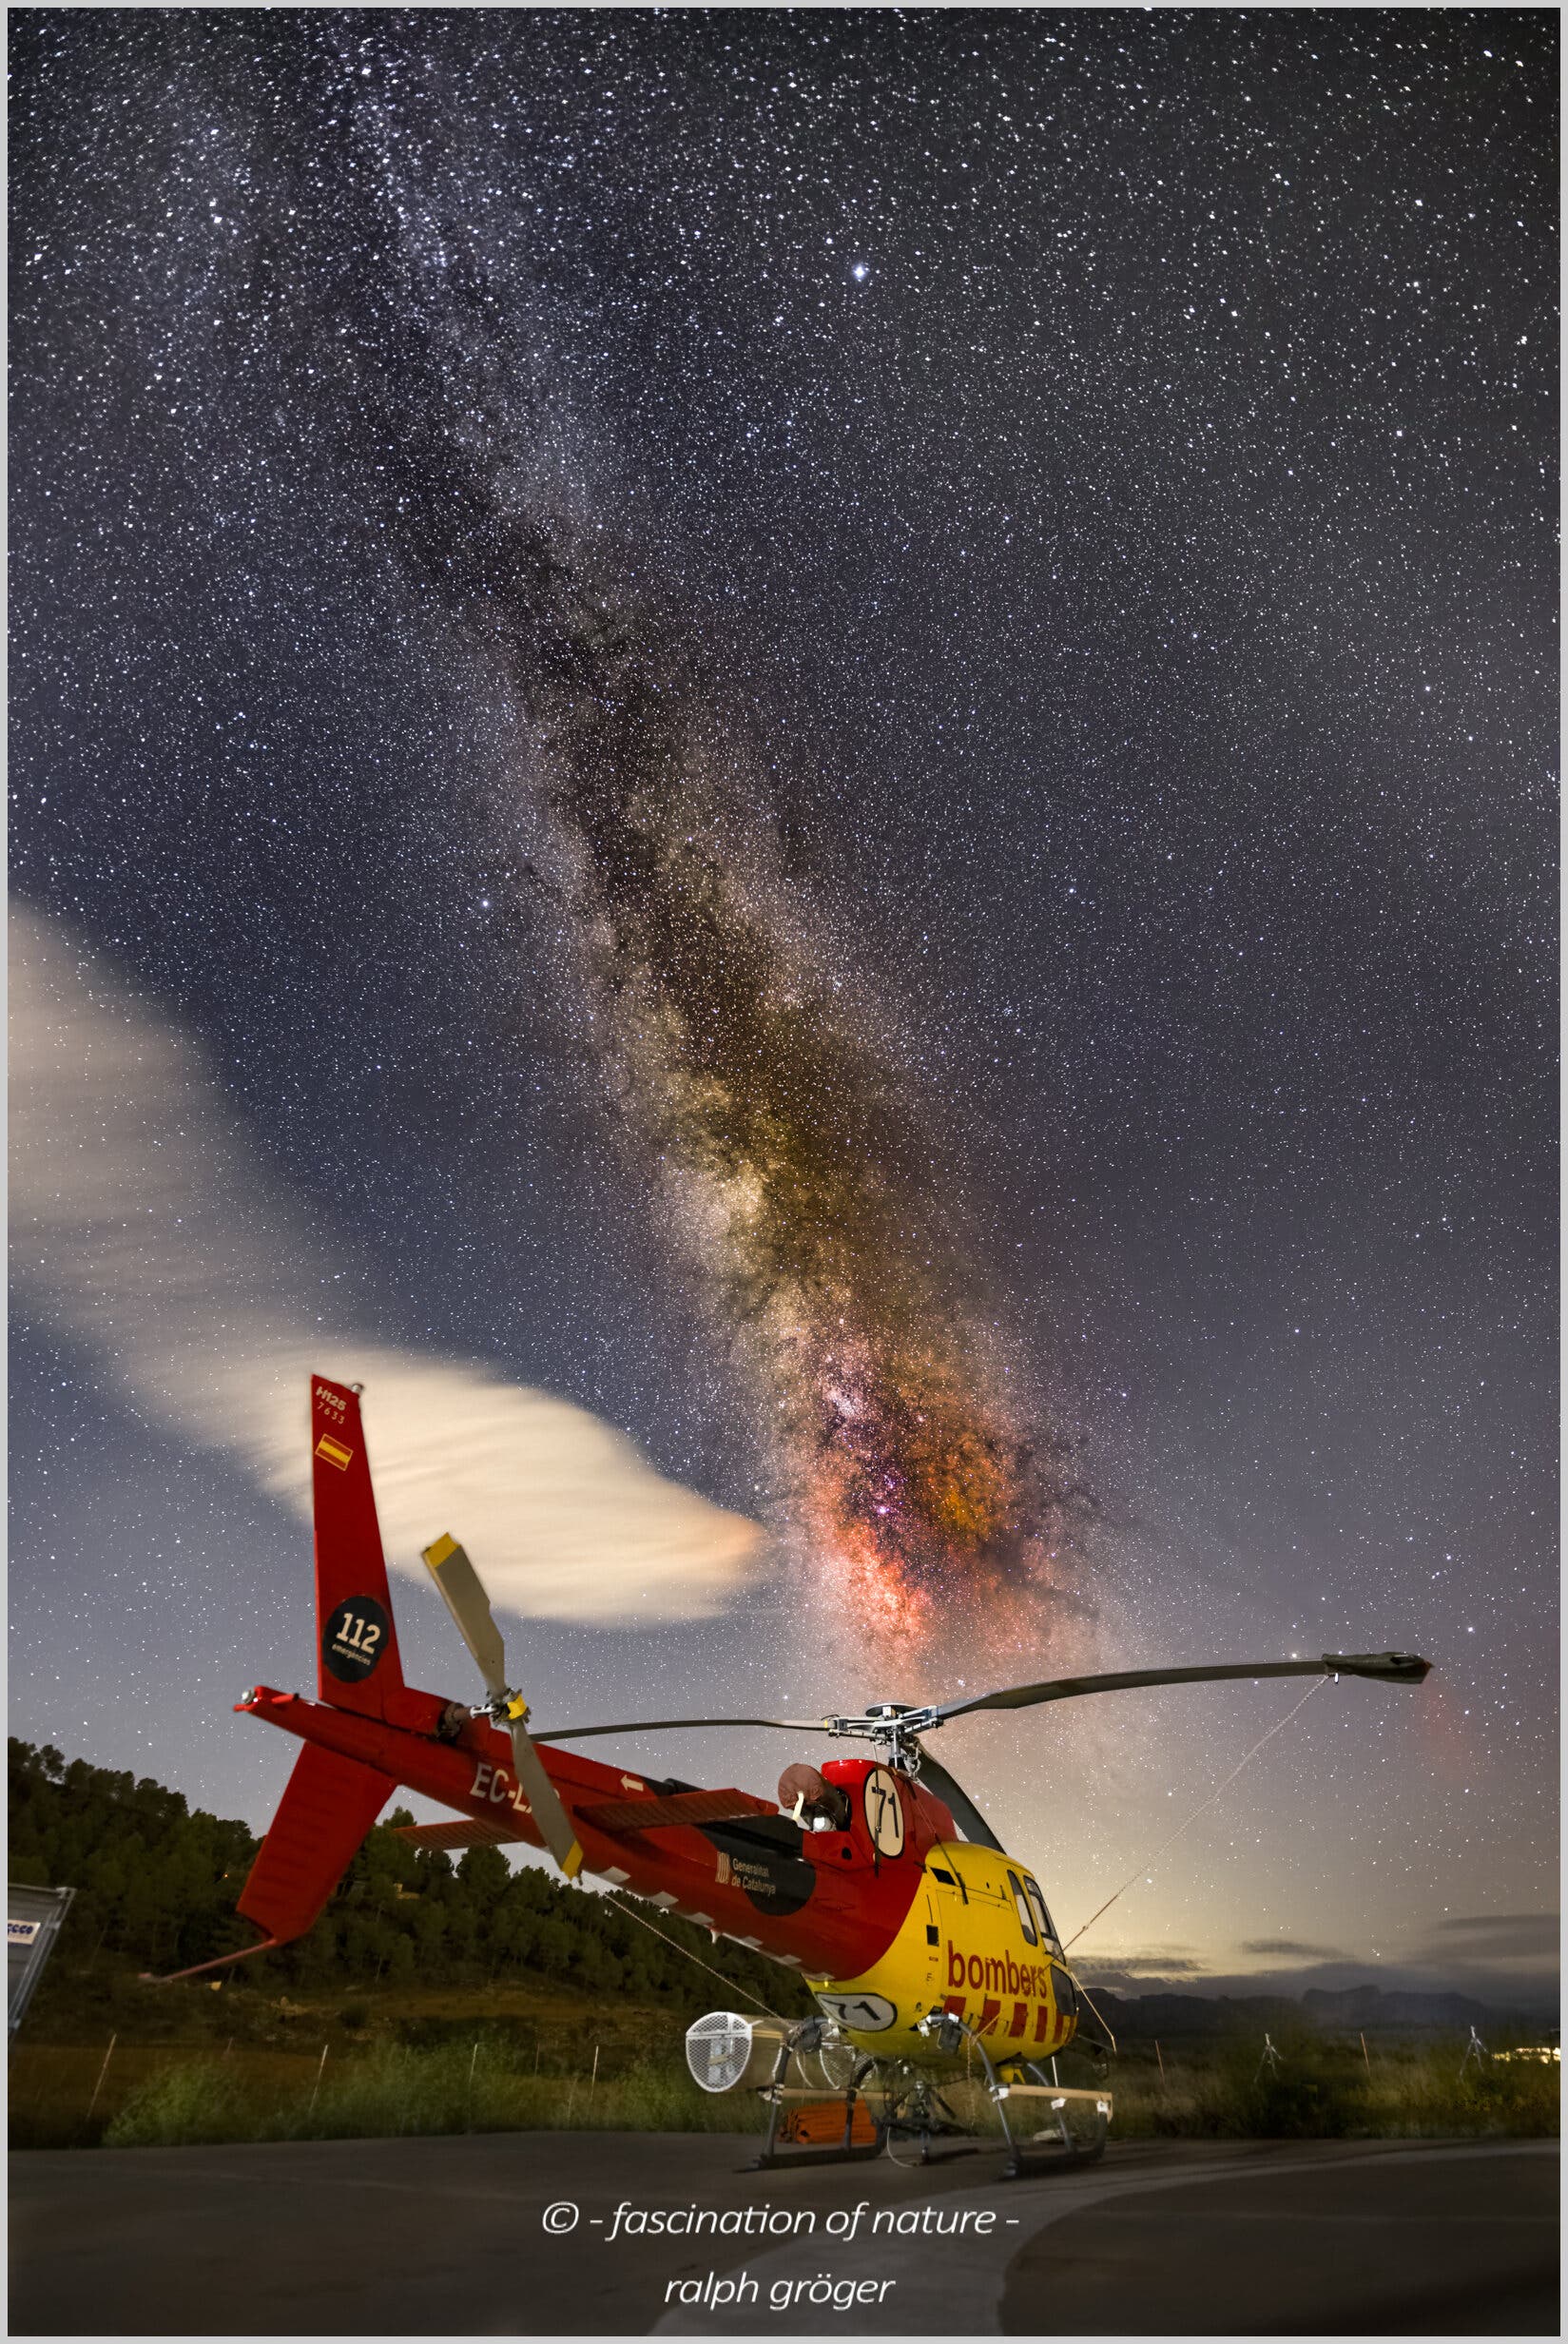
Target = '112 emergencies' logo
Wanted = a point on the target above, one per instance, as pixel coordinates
(354, 1639)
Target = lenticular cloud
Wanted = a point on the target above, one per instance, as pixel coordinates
(142, 1224)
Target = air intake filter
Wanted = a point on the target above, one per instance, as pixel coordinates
(724, 2050)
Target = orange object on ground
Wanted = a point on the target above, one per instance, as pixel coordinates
(820, 2126)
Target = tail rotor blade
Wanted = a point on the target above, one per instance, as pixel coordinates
(466, 1599)
(549, 1814)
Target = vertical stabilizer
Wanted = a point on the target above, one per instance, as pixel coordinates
(357, 1661)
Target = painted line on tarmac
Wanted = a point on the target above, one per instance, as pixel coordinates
(955, 2286)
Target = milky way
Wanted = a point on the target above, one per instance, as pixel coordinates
(775, 1123)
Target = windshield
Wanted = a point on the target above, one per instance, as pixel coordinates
(1048, 1930)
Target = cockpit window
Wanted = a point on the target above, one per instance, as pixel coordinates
(1048, 1933)
(1022, 1903)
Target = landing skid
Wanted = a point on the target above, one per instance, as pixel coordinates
(778, 2161)
(928, 2157)
(914, 2113)
(1077, 2117)
(1075, 2132)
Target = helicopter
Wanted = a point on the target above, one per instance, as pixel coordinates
(874, 1877)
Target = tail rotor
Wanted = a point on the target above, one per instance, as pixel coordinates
(465, 1599)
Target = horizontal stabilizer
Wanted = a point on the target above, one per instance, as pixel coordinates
(688, 1807)
(471, 1831)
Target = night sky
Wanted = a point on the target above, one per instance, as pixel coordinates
(833, 734)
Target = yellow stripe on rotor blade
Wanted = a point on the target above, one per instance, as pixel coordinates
(573, 1862)
(438, 1554)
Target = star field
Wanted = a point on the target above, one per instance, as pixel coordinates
(1041, 526)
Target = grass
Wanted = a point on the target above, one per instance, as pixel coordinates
(268, 2045)
(389, 2090)
(443, 2081)
(1325, 2090)
(163, 2096)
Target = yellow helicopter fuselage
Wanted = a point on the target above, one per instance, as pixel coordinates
(976, 1942)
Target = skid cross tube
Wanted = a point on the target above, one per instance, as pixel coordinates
(950, 2030)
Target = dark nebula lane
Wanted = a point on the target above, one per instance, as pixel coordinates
(772, 1121)
(755, 1075)
(771, 1125)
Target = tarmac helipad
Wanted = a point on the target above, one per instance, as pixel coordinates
(449, 2236)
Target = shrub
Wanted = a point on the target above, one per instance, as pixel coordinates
(196, 2102)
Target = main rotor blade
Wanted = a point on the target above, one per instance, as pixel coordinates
(466, 1599)
(1393, 1668)
(673, 1725)
(952, 1794)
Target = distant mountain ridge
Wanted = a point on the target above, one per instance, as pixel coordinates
(1363, 2008)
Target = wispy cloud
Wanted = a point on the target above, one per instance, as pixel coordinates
(1143, 1966)
(1496, 1937)
(142, 1222)
(1296, 1949)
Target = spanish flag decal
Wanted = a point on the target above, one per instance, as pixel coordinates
(334, 1452)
